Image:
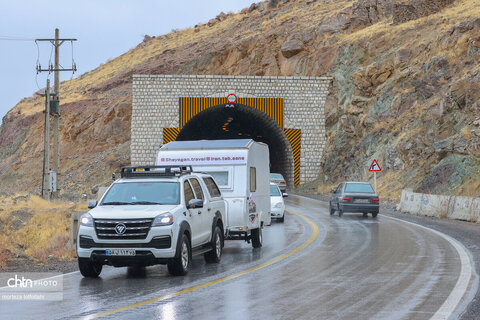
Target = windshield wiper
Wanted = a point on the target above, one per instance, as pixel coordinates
(144, 202)
(114, 203)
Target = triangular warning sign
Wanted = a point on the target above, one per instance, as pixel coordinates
(375, 166)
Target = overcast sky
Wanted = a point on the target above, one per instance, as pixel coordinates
(104, 29)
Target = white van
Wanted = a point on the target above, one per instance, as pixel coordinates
(242, 171)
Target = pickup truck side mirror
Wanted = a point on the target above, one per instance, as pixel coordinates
(195, 203)
(284, 194)
(332, 191)
(92, 204)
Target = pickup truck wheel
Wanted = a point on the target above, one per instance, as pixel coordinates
(282, 219)
(374, 214)
(88, 268)
(257, 238)
(215, 254)
(180, 265)
(340, 213)
(332, 210)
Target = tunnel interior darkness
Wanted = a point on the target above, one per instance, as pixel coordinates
(242, 122)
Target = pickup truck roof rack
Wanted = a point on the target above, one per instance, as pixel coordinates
(155, 171)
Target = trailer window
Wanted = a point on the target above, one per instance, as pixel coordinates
(221, 177)
(197, 188)
(253, 179)
(212, 187)
(188, 192)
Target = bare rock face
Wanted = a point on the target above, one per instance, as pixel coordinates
(291, 48)
(336, 24)
(368, 12)
(372, 76)
(414, 9)
(402, 56)
(222, 16)
(272, 3)
(212, 22)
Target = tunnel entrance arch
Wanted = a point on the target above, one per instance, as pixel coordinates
(163, 104)
(238, 121)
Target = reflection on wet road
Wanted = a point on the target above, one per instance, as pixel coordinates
(357, 268)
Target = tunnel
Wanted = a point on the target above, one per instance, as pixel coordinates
(243, 122)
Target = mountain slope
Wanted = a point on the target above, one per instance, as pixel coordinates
(405, 92)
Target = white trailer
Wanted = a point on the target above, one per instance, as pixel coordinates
(242, 171)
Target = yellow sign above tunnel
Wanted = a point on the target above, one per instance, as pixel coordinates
(273, 107)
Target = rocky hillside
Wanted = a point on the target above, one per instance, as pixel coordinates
(406, 91)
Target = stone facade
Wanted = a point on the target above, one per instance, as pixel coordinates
(156, 106)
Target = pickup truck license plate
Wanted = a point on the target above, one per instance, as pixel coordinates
(120, 252)
(361, 200)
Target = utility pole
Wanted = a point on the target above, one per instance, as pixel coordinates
(54, 108)
(56, 117)
(46, 146)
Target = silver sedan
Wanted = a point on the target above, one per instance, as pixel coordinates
(354, 197)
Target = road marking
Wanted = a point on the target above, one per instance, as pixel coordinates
(453, 300)
(312, 238)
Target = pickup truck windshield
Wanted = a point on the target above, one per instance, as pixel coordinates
(142, 193)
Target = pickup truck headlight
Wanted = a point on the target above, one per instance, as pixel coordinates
(86, 220)
(278, 205)
(164, 219)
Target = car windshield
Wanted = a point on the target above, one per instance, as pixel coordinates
(274, 192)
(359, 188)
(276, 176)
(146, 193)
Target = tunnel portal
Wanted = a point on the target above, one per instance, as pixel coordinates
(287, 113)
(236, 121)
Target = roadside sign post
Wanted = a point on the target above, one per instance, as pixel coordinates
(375, 167)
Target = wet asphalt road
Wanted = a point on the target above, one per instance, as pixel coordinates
(356, 268)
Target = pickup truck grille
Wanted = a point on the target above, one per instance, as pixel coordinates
(134, 228)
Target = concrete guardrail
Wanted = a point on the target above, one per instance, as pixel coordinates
(451, 207)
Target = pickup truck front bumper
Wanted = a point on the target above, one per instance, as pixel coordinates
(157, 247)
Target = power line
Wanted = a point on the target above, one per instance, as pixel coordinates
(14, 38)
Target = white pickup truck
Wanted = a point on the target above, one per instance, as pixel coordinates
(153, 215)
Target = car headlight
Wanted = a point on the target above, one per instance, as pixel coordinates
(164, 219)
(86, 220)
(278, 205)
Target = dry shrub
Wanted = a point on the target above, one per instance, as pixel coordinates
(57, 248)
(47, 231)
(4, 253)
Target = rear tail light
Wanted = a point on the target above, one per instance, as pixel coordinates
(375, 200)
(346, 199)
(283, 182)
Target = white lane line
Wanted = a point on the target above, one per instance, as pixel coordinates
(453, 300)
(466, 271)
